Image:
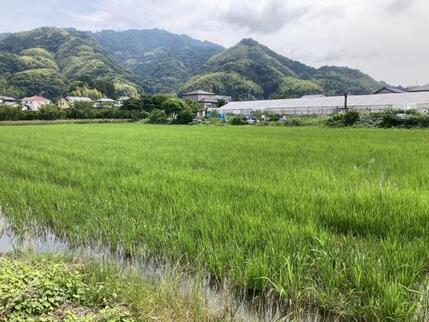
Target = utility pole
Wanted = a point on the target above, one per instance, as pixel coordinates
(346, 107)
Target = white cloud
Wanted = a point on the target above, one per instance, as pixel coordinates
(384, 38)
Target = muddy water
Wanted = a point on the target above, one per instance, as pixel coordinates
(218, 299)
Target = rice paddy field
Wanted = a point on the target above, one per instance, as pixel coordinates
(331, 220)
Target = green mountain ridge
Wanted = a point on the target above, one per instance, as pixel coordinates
(277, 76)
(164, 59)
(57, 62)
(52, 61)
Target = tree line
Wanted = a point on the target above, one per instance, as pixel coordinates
(152, 108)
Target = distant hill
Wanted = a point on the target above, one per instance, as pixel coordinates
(58, 61)
(53, 61)
(4, 35)
(164, 59)
(275, 76)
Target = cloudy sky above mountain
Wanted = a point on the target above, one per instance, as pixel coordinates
(384, 38)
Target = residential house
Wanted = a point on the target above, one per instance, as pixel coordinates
(389, 90)
(105, 103)
(34, 103)
(207, 100)
(69, 101)
(10, 101)
(424, 88)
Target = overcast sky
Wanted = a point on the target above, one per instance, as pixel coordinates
(384, 38)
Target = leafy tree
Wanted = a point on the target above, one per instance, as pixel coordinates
(221, 102)
(145, 103)
(157, 117)
(81, 110)
(173, 106)
(193, 105)
(184, 116)
(8, 113)
(351, 118)
(257, 115)
(291, 88)
(51, 112)
(86, 92)
(231, 84)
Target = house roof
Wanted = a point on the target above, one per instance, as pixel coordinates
(198, 92)
(313, 96)
(106, 100)
(389, 89)
(78, 98)
(7, 98)
(393, 100)
(205, 100)
(35, 99)
(424, 88)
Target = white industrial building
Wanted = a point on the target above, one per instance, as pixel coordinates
(325, 105)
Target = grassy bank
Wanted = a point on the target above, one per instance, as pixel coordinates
(54, 288)
(53, 122)
(330, 218)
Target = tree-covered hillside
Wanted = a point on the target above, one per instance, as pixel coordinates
(278, 76)
(4, 35)
(164, 59)
(55, 61)
(58, 61)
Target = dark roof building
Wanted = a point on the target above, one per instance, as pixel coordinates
(198, 92)
(424, 88)
(389, 90)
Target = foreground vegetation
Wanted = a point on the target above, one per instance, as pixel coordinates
(387, 119)
(334, 220)
(54, 288)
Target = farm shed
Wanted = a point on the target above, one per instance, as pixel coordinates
(324, 105)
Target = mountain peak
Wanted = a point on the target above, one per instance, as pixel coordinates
(249, 42)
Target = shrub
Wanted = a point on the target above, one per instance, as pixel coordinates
(238, 120)
(184, 116)
(157, 117)
(8, 113)
(51, 112)
(81, 112)
(347, 119)
(350, 118)
(293, 122)
(173, 106)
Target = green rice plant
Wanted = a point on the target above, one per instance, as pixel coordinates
(331, 220)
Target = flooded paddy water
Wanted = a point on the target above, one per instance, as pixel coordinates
(218, 298)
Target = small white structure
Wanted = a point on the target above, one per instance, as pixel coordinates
(105, 102)
(34, 103)
(75, 99)
(121, 100)
(9, 101)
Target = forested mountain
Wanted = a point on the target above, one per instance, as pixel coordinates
(274, 76)
(4, 35)
(56, 61)
(164, 59)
